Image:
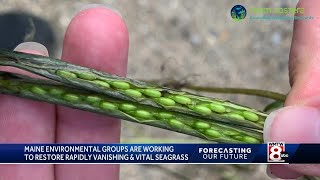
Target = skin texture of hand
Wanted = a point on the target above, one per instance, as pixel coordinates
(299, 121)
(97, 38)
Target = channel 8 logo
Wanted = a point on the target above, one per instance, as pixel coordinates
(276, 152)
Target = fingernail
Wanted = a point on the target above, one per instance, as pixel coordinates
(32, 47)
(267, 125)
(293, 124)
(90, 6)
(269, 173)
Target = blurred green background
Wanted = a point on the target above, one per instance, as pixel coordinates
(187, 40)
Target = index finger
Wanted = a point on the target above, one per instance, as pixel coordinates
(96, 38)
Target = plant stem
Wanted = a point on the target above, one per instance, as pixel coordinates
(135, 91)
(226, 90)
(246, 91)
(47, 91)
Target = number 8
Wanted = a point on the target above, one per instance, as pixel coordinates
(275, 150)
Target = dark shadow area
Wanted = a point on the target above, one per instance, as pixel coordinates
(18, 27)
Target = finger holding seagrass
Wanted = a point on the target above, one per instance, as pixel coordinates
(26, 121)
(135, 91)
(99, 103)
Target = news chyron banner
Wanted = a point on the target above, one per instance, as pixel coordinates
(272, 152)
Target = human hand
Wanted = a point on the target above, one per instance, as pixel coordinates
(97, 38)
(301, 116)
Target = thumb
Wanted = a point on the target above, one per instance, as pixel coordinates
(298, 122)
(293, 124)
